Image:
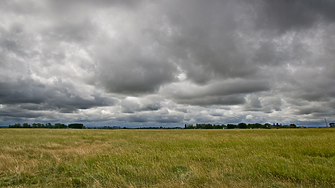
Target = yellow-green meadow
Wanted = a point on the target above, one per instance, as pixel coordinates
(167, 158)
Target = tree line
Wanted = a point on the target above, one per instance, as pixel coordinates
(48, 125)
(239, 126)
(196, 126)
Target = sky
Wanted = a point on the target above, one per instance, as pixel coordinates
(167, 62)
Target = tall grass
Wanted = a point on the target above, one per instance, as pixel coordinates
(167, 158)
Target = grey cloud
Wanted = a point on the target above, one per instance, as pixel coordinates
(74, 30)
(37, 96)
(271, 104)
(129, 106)
(183, 110)
(296, 14)
(135, 118)
(275, 16)
(10, 40)
(134, 76)
(309, 12)
(132, 106)
(161, 116)
(268, 59)
(206, 42)
(21, 8)
(131, 58)
(62, 5)
(21, 91)
(230, 92)
(314, 112)
(310, 84)
(170, 119)
(214, 100)
(16, 112)
(216, 112)
(253, 103)
(309, 110)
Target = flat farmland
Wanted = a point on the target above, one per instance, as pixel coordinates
(167, 158)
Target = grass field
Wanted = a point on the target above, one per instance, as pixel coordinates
(167, 158)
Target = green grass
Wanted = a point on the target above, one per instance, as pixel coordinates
(167, 158)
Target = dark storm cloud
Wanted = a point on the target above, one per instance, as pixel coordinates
(132, 76)
(230, 92)
(21, 91)
(310, 110)
(214, 100)
(62, 5)
(206, 42)
(10, 44)
(80, 30)
(293, 15)
(15, 111)
(29, 94)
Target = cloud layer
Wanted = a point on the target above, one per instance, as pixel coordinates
(145, 63)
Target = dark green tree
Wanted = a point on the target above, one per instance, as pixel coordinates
(49, 125)
(76, 126)
(208, 126)
(26, 125)
(242, 125)
(231, 126)
(60, 126)
(266, 126)
(293, 126)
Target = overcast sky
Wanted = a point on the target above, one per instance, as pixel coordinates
(167, 62)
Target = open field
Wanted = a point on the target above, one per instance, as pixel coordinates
(167, 158)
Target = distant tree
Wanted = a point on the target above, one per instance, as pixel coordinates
(258, 125)
(26, 125)
(49, 125)
(293, 126)
(76, 126)
(242, 125)
(200, 126)
(208, 126)
(266, 126)
(59, 126)
(34, 125)
(189, 126)
(16, 125)
(254, 126)
(231, 126)
(217, 126)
